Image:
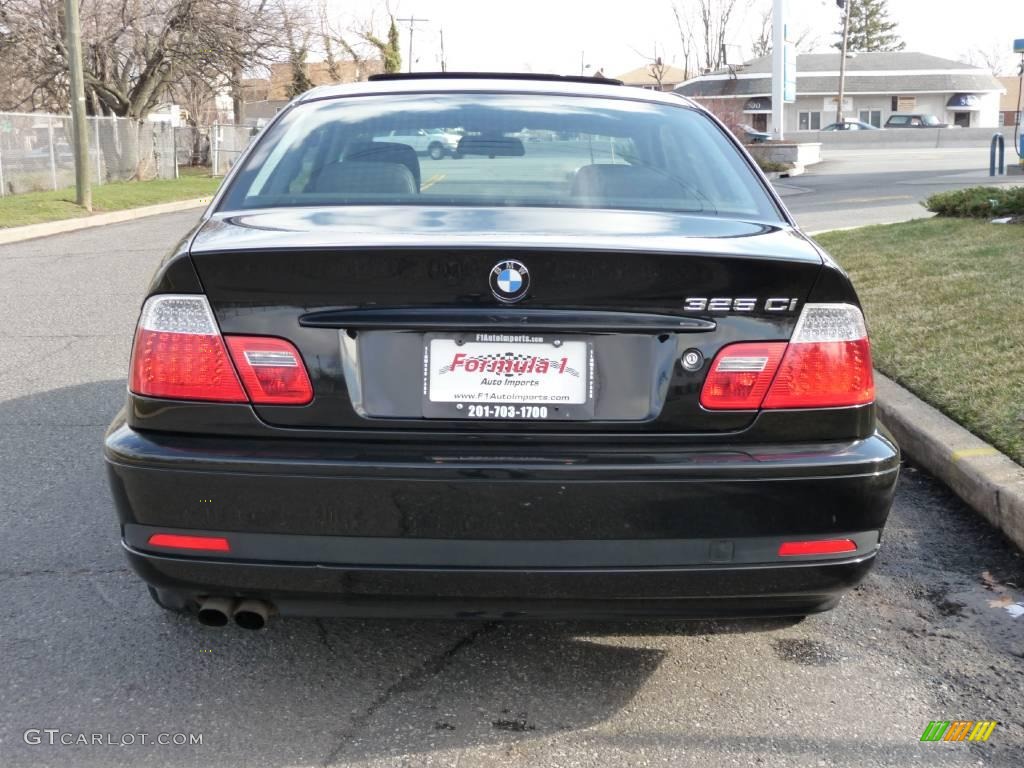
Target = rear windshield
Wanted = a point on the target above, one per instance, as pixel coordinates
(491, 149)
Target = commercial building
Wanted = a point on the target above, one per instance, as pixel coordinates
(1011, 106)
(877, 85)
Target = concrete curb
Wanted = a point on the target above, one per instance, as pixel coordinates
(986, 479)
(816, 232)
(32, 231)
(797, 170)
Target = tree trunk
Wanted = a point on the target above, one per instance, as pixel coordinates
(237, 96)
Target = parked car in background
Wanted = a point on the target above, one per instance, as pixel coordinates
(917, 120)
(431, 141)
(850, 125)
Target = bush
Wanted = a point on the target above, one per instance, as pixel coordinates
(978, 202)
(770, 166)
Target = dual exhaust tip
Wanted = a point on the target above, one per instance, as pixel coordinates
(248, 614)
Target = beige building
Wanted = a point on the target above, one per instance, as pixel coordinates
(877, 85)
(644, 77)
(265, 96)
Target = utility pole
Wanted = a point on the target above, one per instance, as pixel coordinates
(444, 65)
(412, 27)
(845, 5)
(778, 66)
(80, 140)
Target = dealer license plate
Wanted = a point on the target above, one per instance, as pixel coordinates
(507, 376)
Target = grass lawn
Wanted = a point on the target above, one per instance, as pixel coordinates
(36, 207)
(945, 307)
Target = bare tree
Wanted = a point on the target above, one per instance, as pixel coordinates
(388, 46)
(656, 66)
(992, 58)
(705, 26)
(135, 49)
(657, 71)
(761, 44)
(332, 37)
(298, 30)
(714, 17)
(687, 43)
(134, 53)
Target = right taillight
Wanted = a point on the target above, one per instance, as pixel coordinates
(826, 364)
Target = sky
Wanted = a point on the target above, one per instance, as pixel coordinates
(561, 35)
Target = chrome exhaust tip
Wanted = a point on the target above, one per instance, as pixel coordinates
(251, 614)
(215, 611)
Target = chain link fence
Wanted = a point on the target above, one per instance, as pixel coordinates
(36, 154)
(226, 144)
(192, 146)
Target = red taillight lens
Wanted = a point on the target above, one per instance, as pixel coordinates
(823, 375)
(817, 547)
(826, 364)
(740, 376)
(272, 370)
(204, 543)
(179, 354)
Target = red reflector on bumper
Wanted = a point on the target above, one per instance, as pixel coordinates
(174, 541)
(819, 547)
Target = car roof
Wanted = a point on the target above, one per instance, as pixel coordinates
(493, 82)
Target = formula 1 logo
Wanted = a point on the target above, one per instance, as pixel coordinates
(509, 364)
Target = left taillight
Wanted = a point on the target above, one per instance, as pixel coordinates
(179, 354)
(272, 370)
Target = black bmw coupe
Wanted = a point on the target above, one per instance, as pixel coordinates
(586, 366)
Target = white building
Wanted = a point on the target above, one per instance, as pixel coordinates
(877, 85)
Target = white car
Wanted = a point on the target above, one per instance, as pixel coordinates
(434, 142)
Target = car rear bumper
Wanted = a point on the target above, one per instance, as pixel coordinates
(387, 529)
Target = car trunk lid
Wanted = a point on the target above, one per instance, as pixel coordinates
(367, 294)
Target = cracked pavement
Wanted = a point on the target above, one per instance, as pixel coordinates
(83, 649)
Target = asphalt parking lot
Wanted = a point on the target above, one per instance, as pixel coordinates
(854, 187)
(931, 635)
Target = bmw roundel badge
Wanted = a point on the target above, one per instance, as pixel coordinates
(510, 280)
